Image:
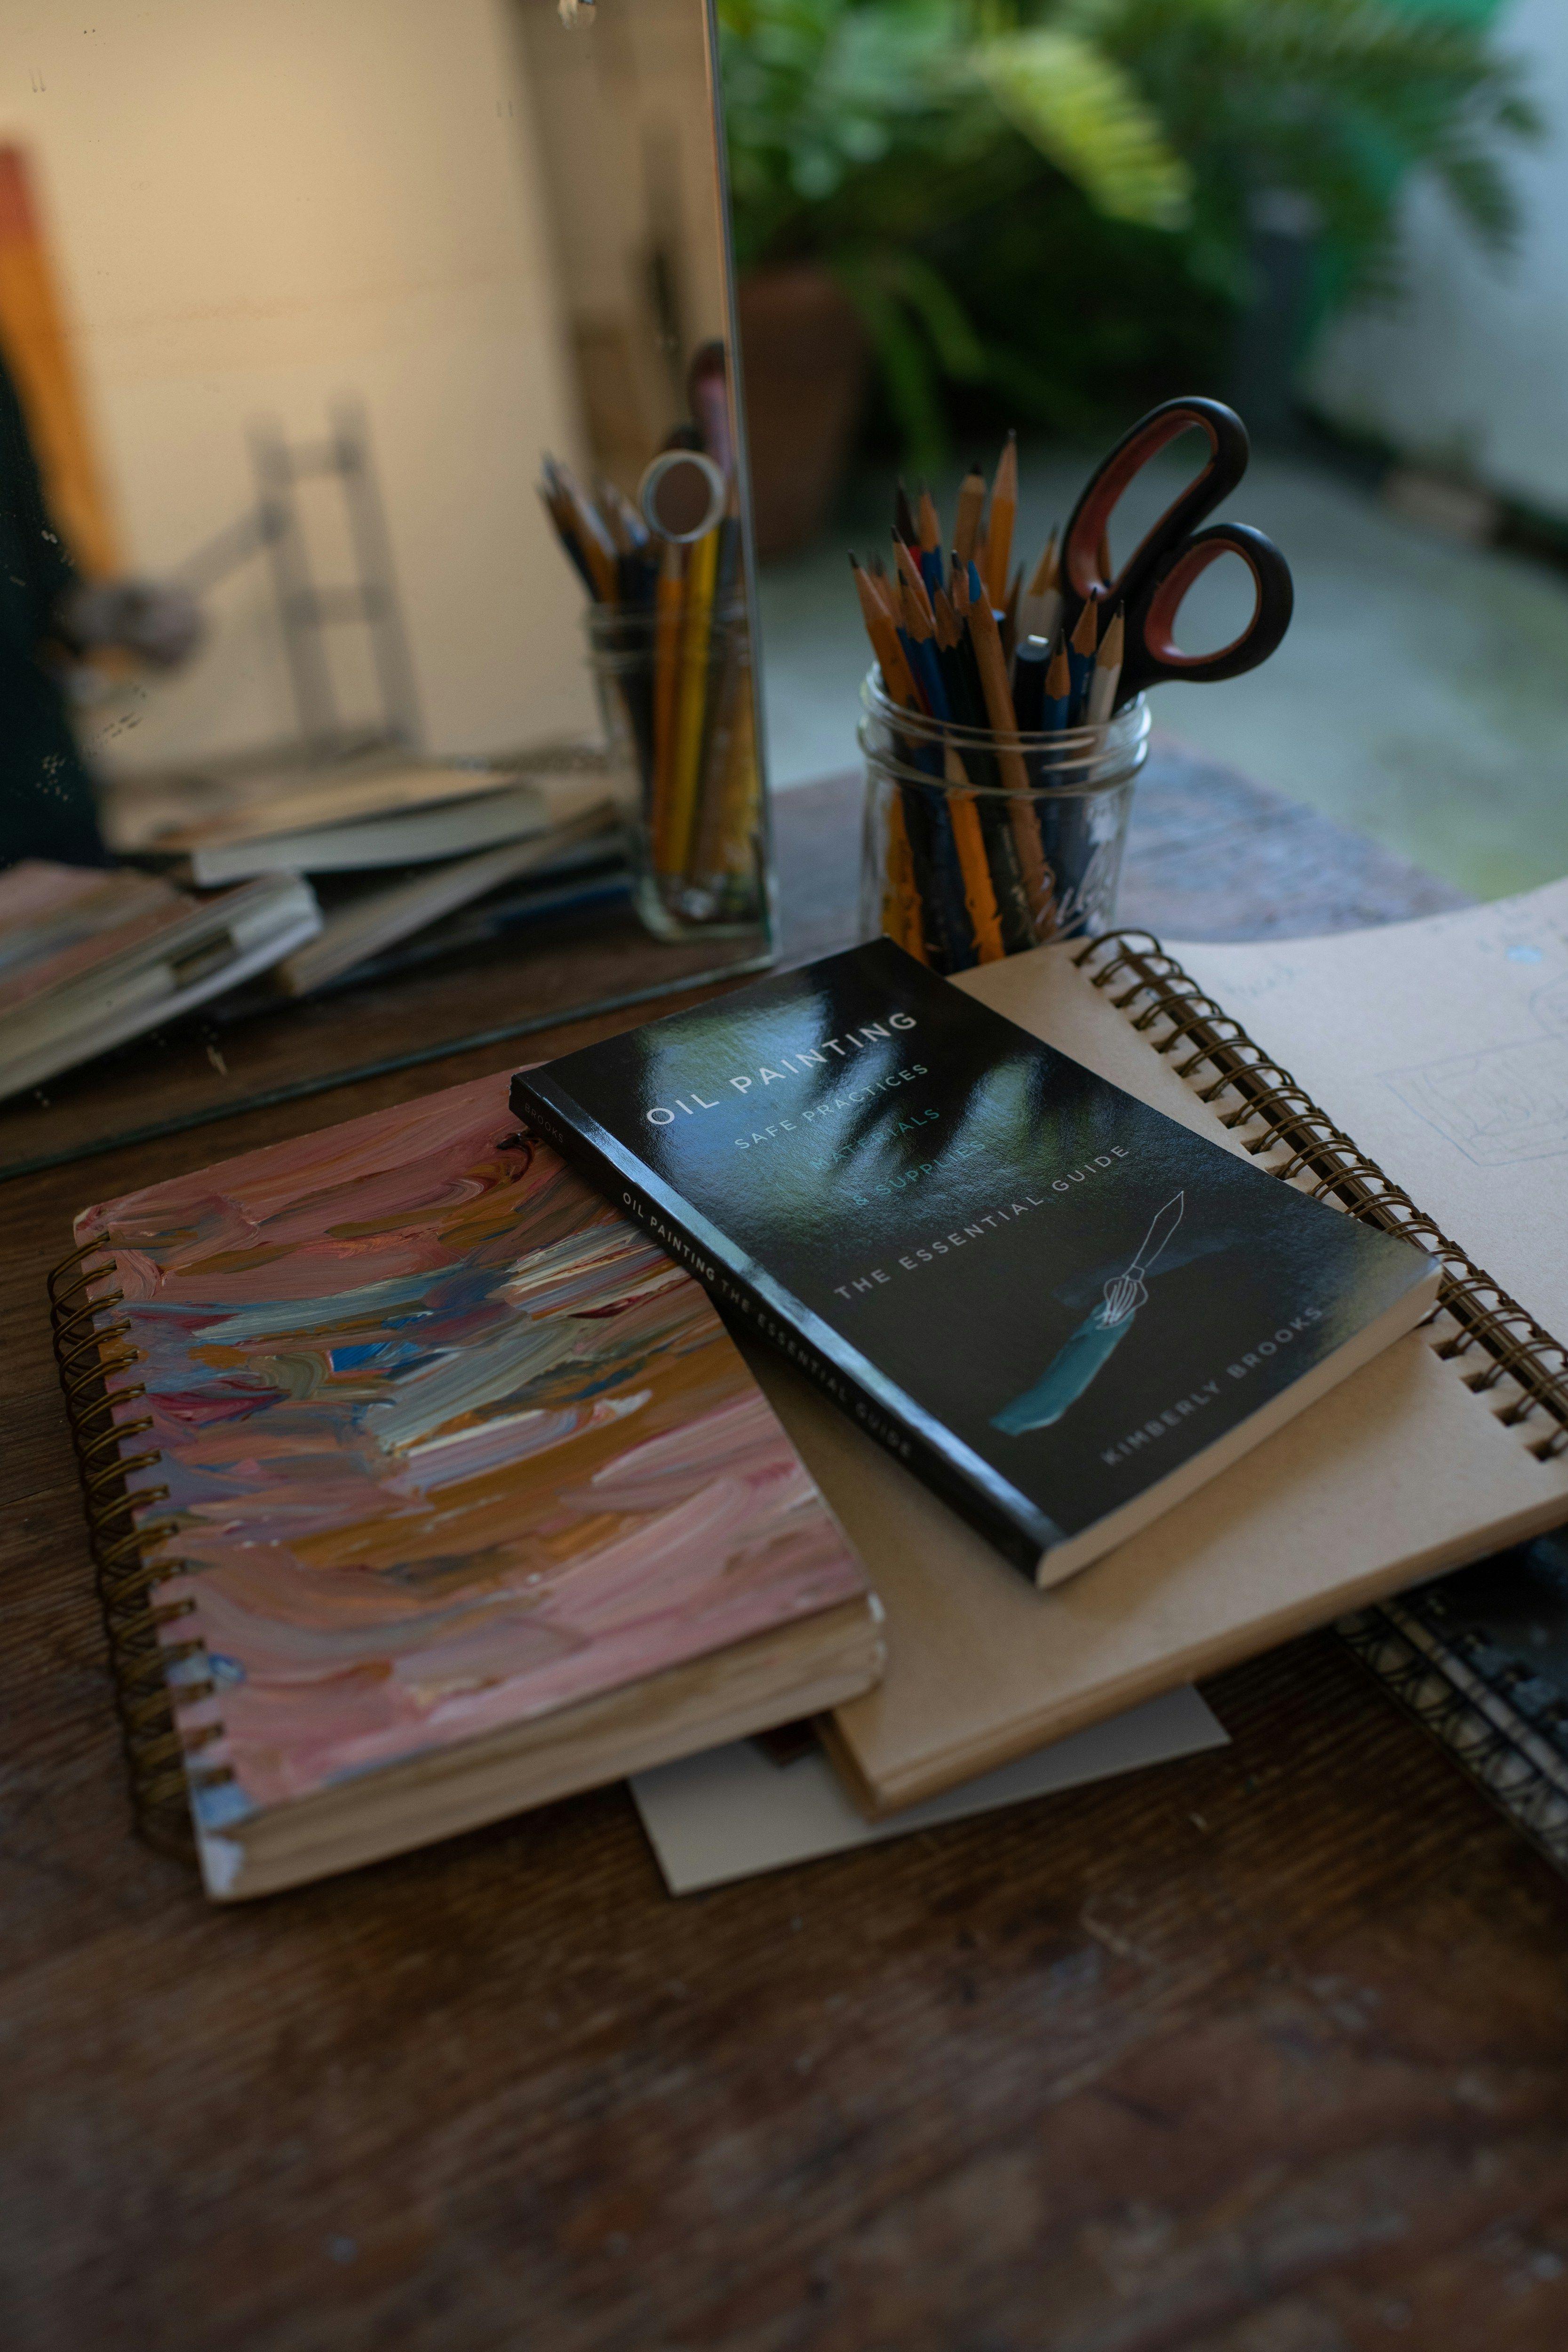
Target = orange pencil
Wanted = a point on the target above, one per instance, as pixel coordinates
(909, 573)
(896, 676)
(929, 523)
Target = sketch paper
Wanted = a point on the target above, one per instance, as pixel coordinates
(731, 1813)
(1442, 1046)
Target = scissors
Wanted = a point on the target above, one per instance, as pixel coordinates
(1154, 580)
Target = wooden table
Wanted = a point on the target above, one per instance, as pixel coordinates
(1259, 2053)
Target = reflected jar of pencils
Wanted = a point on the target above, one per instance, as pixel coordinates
(980, 845)
(675, 696)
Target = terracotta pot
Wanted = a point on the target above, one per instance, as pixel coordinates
(805, 355)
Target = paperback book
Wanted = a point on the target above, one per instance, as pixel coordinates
(1059, 1307)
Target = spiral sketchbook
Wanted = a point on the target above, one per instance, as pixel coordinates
(422, 1488)
(1443, 1040)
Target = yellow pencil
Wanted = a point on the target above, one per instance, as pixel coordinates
(669, 598)
(979, 891)
(695, 621)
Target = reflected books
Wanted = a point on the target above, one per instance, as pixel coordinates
(91, 956)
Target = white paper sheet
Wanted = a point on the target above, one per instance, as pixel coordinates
(731, 1813)
(1442, 1047)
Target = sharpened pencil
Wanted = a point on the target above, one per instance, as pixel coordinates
(914, 579)
(971, 505)
(1058, 691)
(1040, 606)
(1107, 671)
(999, 527)
(904, 524)
(897, 679)
(1082, 646)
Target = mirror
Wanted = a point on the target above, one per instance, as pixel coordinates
(295, 301)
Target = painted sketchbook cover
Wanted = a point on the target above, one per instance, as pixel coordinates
(449, 1444)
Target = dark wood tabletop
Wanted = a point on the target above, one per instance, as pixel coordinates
(1262, 2051)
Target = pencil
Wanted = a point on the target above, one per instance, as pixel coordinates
(900, 902)
(898, 681)
(598, 548)
(1025, 831)
(668, 599)
(928, 524)
(1058, 690)
(1029, 684)
(910, 573)
(971, 501)
(979, 891)
(1040, 606)
(999, 529)
(904, 525)
(695, 625)
(1107, 671)
(1010, 615)
(1083, 646)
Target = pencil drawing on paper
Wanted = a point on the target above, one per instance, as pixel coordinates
(1505, 1104)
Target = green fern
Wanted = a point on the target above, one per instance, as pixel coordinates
(902, 141)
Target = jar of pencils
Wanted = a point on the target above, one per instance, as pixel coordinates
(980, 844)
(674, 681)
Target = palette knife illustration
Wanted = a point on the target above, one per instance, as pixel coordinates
(1097, 1338)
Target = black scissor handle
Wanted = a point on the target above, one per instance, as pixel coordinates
(1226, 464)
(1152, 653)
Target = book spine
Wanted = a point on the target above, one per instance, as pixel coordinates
(736, 1295)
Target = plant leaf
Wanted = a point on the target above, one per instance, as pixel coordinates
(1086, 116)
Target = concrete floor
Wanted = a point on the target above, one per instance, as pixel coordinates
(1421, 696)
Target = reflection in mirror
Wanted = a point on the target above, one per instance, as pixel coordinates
(294, 299)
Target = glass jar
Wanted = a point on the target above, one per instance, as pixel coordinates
(675, 693)
(979, 845)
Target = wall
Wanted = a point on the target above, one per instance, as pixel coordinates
(1473, 370)
(259, 208)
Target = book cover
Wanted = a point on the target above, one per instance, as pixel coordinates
(1061, 1309)
(447, 1446)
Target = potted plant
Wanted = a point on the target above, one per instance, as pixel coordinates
(1055, 201)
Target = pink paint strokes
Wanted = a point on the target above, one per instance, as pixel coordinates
(449, 1444)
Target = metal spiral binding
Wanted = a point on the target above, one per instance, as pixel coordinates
(129, 1561)
(1157, 990)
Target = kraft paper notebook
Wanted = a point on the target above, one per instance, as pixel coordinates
(432, 1488)
(1442, 1047)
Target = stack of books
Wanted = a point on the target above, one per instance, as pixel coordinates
(966, 1366)
(394, 847)
(291, 878)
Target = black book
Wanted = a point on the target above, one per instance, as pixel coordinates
(1060, 1309)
